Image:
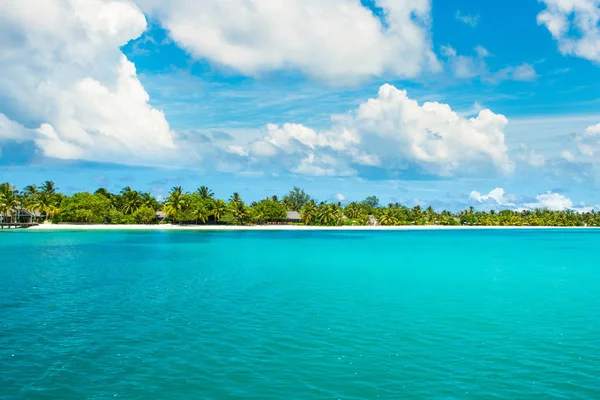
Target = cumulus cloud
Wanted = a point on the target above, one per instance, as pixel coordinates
(66, 83)
(552, 201)
(587, 145)
(322, 165)
(432, 135)
(593, 131)
(497, 196)
(476, 67)
(335, 40)
(499, 199)
(11, 130)
(290, 136)
(575, 24)
(394, 133)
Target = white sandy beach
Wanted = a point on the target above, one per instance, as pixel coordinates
(169, 227)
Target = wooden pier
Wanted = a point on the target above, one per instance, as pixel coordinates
(17, 225)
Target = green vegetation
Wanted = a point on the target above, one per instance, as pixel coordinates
(201, 207)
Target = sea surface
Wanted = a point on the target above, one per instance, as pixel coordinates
(490, 314)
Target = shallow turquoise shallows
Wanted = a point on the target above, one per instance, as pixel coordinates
(490, 314)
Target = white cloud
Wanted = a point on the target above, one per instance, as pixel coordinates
(575, 24)
(524, 72)
(481, 51)
(11, 130)
(394, 133)
(66, 80)
(52, 146)
(499, 199)
(474, 110)
(471, 67)
(552, 201)
(470, 20)
(398, 129)
(325, 165)
(588, 144)
(263, 149)
(585, 149)
(340, 197)
(572, 156)
(239, 150)
(334, 40)
(290, 136)
(448, 51)
(567, 155)
(497, 196)
(531, 157)
(593, 131)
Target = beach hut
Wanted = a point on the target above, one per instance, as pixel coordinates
(28, 216)
(161, 216)
(20, 215)
(293, 217)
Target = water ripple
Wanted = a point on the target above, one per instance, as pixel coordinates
(300, 315)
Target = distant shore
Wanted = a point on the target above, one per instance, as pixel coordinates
(169, 227)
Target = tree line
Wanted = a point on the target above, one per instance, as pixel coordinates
(202, 207)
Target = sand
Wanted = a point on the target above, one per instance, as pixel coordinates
(169, 227)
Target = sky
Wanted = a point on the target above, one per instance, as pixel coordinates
(448, 103)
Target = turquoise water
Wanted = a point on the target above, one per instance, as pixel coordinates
(300, 315)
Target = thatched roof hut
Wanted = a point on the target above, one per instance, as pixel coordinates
(293, 216)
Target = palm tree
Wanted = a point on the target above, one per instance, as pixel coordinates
(131, 201)
(353, 211)
(104, 192)
(309, 212)
(258, 214)
(205, 193)
(9, 201)
(30, 190)
(388, 217)
(417, 215)
(29, 197)
(239, 210)
(202, 212)
(329, 214)
(175, 202)
(149, 201)
(43, 203)
(51, 211)
(3, 206)
(430, 216)
(218, 209)
(49, 188)
(235, 198)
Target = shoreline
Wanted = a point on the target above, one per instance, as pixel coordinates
(169, 227)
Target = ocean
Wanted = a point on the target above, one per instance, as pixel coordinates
(462, 314)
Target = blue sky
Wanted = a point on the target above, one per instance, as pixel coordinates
(258, 96)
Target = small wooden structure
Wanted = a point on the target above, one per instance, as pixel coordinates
(17, 225)
(19, 218)
(293, 217)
